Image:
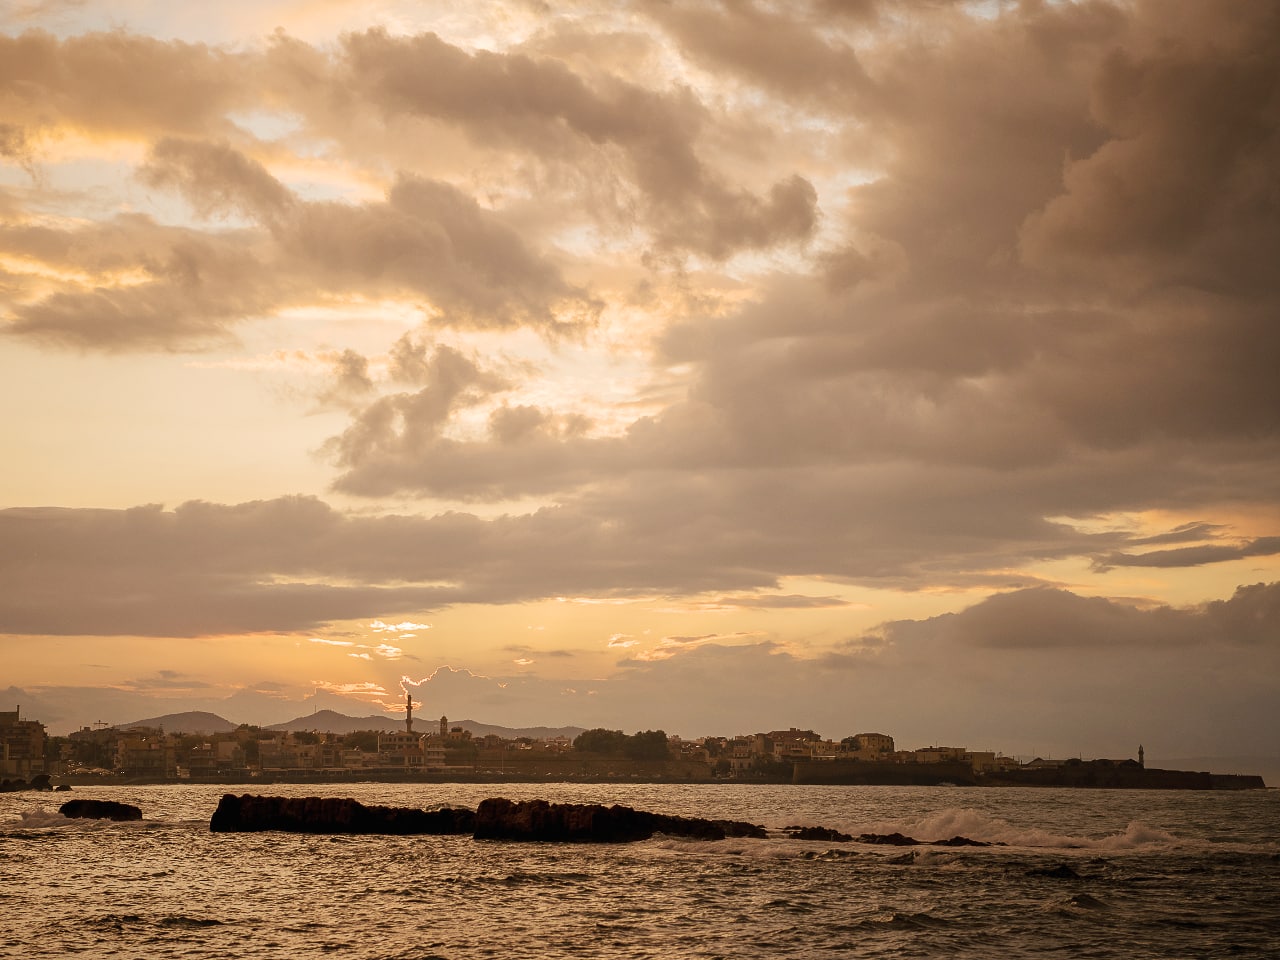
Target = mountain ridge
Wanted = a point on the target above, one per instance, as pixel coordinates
(331, 721)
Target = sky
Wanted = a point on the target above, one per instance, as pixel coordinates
(849, 365)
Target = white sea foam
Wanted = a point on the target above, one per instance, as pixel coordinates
(976, 825)
(40, 817)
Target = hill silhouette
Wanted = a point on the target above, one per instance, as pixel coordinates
(193, 721)
(331, 721)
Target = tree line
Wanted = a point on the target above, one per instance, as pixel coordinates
(645, 745)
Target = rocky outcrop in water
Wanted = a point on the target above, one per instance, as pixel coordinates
(899, 840)
(250, 814)
(825, 834)
(39, 782)
(500, 819)
(1062, 871)
(496, 819)
(99, 810)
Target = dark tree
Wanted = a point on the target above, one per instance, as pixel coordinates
(599, 740)
(649, 745)
(366, 740)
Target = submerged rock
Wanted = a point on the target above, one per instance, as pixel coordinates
(1061, 872)
(825, 834)
(888, 839)
(501, 819)
(39, 782)
(250, 814)
(496, 819)
(100, 810)
(898, 840)
(958, 841)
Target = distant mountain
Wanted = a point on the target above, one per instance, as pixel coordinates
(195, 721)
(330, 721)
(478, 729)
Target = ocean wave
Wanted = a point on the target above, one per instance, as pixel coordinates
(977, 825)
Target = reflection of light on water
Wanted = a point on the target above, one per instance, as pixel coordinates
(146, 889)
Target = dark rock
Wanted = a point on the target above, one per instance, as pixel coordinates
(62, 788)
(960, 842)
(99, 810)
(496, 819)
(898, 840)
(888, 839)
(501, 819)
(39, 782)
(250, 814)
(824, 834)
(1061, 872)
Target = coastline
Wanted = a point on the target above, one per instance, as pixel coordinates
(848, 773)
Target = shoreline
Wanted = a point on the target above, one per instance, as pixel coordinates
(1128, 780)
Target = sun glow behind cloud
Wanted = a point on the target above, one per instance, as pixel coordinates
(738, 349)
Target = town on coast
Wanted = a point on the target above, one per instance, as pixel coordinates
(205, 748)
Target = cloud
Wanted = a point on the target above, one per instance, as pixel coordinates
(1186, 101)
(1048, 618)
(145, 285)
(1193, 556)
(121, 83)
(541, 105)
(216, 179)
(909, 297)
(381, 627)
(190, 287)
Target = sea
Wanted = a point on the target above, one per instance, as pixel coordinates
(1070, 873)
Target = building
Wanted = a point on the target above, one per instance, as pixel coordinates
(146, 753)
(21, 745)
(413, 751)
(787, 745)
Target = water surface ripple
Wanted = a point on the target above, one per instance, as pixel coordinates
(1077, 873)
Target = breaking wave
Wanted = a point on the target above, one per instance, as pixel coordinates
(966, 822)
